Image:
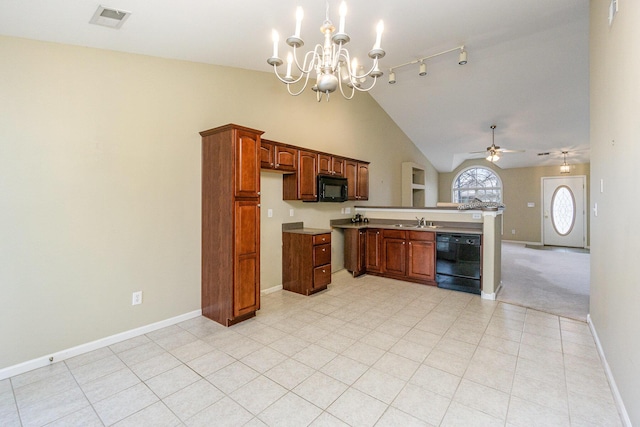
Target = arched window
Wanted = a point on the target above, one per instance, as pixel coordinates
(477, 183)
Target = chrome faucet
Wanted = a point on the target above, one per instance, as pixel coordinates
(421, 222)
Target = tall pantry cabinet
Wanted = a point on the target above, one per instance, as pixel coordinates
(230, 223)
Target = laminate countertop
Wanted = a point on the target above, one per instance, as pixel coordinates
(410, 227)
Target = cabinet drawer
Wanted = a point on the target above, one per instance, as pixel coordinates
(394, 234)
(422, 235)
(322, 255)
(321, 239)
(321, 276)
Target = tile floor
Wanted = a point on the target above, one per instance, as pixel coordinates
(369, 351)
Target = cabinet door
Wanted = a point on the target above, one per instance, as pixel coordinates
(307, 176)
(285, 158)
(422, 259)
(337, 166)
(246, 292)
(324, 164)
(351, 173)
(247, 167)
(267, 151)
(394, 256)
(362, 188)
(373, 248)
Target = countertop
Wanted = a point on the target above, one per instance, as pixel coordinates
(443, 228)
(312, 231)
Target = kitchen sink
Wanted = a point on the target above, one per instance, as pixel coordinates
(426, 226)
(405, 225)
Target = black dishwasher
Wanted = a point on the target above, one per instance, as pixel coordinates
(458, 262)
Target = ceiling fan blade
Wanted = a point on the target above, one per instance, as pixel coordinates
(478, 152)
(502, 150)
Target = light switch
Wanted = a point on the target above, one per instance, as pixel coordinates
(531, 205)
(270, 213)
(595, 209)
(602, 185)
(347, 210)
(290, 212)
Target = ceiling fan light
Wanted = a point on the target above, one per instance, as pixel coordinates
(493, 157)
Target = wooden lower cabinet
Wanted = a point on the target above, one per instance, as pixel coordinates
(373, 249)
(399, 254)
(306, 262)
(394, 252)
(355, 254)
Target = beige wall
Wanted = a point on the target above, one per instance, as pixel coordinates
(100, 163)
(615, 231)
(521, 185)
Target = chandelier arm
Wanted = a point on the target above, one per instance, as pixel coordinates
(311, 64)
(353, 91)
(287, 82)
(304, 86)
(359, 89)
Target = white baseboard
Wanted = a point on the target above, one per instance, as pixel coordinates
(271, 290)
(622, 410)
(39, 362)
(522, 242)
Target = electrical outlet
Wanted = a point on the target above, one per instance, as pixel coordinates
(290, 212)
(347, 210)
(136, 298)
(513, 231)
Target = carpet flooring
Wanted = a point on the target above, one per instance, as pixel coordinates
(554, 281)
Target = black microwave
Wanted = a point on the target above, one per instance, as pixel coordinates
(332, 189)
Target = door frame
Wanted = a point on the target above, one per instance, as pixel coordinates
(584, 205)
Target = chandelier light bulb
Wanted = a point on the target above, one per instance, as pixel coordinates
(343, 15)
(379, 30)
(276, 39)
(299, 16)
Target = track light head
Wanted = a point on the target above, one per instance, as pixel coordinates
(463, 56)
(423, 69)
(392, 77)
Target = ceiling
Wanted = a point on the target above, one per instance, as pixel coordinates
(528, 69)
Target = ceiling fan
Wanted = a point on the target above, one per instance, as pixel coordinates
(494, 151)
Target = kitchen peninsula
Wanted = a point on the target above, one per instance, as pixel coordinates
(400, 226)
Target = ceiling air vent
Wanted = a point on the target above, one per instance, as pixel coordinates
(109, 17)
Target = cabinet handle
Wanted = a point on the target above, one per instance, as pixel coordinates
(403, 243)
(323, 270)
(258, 193)
(258, 204)
(271, 164)
(277, 164)
(324, 250)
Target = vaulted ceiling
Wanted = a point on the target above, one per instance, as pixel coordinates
(528, 69)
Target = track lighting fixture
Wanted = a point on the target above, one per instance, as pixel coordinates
(422, 71)
(463, 56)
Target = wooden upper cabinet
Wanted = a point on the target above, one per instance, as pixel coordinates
(357, 174)
(247, 168)
(267, 154)
(330, 165)
(307, 172)
(277, 156)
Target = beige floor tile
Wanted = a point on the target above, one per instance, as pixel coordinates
(155, 366)
(379, 385)
(232, 377)
(85, 417)
(550, 395)
(364, 353)
(394, 417)
(290, 411)
(124, 403)
(499, 344)
(125, 345)
(211, 362)
(523, 413)
(542, 355)
(459, 415)
(192, 399)
(551, 344)
(327, 420)
(320, 389)
(344, 369)
(594, 409)
(290, 373)
(490, 376)
(172, 380)
(456, 347)
(175, 340)
(263, 359)
(335, 342)
(156, 415)
(258, 394)
(436, 380)
(192, 350)
(482, 398)
(357, 409)
(53, 407)
(109, 385)
(89, 357)
(94, 370)
(422, 404)
(314, 356)
(225, 412)
(542, 371)
(447, 362)
(138, 354)
(46, 387)
(397, 366)
(289, 345)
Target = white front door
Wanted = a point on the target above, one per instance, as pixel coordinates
(564, 211)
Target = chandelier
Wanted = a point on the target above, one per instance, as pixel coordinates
(330, 61)
(565, 168)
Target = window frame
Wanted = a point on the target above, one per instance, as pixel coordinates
(454, 189)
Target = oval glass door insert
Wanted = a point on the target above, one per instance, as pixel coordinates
(563, 210)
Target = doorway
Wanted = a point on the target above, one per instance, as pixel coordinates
(564, 211)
